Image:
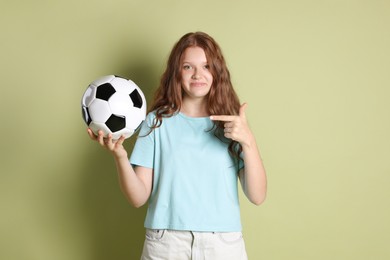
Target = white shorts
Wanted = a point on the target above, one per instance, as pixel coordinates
(183, 245)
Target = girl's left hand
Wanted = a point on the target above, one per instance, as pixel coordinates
(236, 126)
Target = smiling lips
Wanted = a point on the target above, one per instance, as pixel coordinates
(197, 84)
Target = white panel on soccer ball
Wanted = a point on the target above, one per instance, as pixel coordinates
(89, 95)
(134, 118)
(99, 110)
(120, 103)
(125, 132)
(85, 114)
(133, 85)
(96, 126)
(121, 85)
(103, 80)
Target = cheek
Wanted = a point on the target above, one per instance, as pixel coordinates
(210, 77)
(185, 76)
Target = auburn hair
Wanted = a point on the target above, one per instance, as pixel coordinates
(221, 100)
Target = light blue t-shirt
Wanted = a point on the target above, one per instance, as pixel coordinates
(195, 178)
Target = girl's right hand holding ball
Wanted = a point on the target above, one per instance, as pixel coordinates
(114, 146)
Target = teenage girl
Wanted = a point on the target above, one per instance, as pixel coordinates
(192, 149)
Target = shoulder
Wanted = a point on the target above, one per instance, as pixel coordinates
(150, 119)
(150, 116)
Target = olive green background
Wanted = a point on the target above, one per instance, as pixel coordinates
(314, 73)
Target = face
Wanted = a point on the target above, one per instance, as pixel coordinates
(196, 77)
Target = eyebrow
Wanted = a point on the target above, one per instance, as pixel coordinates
(192, 63)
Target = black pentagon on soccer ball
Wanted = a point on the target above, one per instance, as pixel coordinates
(116, 123)
(136, 98)
(86, 116)
(105, 91)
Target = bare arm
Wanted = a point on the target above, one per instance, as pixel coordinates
(135, 183)
(252, 176)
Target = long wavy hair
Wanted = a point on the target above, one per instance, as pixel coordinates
(221, 100)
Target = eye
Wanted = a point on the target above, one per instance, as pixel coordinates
(207, 66)
(187, 67)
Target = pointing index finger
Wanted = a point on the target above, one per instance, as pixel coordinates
(222, 118)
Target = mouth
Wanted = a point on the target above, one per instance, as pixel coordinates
(197, 84)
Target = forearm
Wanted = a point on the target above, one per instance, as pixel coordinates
(132, 186)
(254, 180)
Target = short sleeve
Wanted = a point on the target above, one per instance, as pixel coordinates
(143, 152)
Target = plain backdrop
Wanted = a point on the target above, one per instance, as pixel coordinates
(315, 75)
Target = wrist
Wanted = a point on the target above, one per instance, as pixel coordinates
(249, 143)
(120, 156)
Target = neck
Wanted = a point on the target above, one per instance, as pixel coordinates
(194, 108)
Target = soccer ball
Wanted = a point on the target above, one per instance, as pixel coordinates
(114, 105)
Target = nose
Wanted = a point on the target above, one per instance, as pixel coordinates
(195, 75)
